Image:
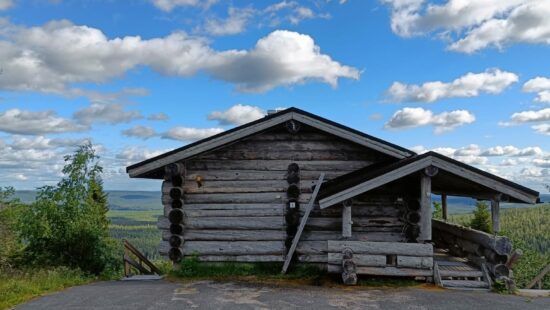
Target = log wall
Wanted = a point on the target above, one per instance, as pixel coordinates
(383, 258)
(235, 199)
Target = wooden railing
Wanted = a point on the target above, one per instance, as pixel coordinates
(539, 277)
(134, 258)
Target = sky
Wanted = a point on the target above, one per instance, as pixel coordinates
(137, 78)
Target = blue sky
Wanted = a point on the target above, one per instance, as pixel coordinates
(469, 79)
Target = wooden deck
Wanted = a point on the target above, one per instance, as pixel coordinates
(458, 272)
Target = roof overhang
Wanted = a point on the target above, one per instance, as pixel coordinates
(409, 166)
(144, 168)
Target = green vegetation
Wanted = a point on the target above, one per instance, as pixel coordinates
(17, 286)
(482, 218)
(437, 210)
(67, 224)
(60, 239)
(192, 268)
(529, 230)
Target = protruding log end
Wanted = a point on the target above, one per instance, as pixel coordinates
(175, 254)
(174, 169)
(176, 229)
(177, 204)
(175, 241)
(293, 191)
(176, 216)
(176, 193)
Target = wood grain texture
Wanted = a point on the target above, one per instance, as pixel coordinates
(382, 248)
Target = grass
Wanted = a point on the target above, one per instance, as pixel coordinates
(192, 268)
(529, 230)
(20, 286)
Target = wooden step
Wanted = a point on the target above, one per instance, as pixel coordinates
(460, 273)
(464, 284)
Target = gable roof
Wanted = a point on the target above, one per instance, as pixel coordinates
(147, 168)
(360, 181)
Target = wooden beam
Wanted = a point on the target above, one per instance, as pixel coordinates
(303, 223)
(444, 206)
(425, 208)
(495, 213)
(374, 183)
(346, 219)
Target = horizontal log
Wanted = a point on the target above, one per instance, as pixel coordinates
(423, 262)
(386, 271)
(253, 186)
(230, 235)
(358, 211)
(278, 154)
(318, 235)
(241, 258)
(275, 197)
(276, 165)
(383, 248)
(267, 222)
(335, 223)
(233, 247)
(312, 258)
(311, 247)
(252, 175)
(500, 245)
(359, 259)
(297, 146)
(233, 206)
(234, 213)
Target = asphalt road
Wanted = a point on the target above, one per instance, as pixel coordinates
(232, 295)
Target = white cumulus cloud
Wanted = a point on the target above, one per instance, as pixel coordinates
(474, 25)
(237, 115)
(190, 134)
(539, 85)
(52, 57)
(492, 81)
(138, 131)
(25, 122)
(417, 117)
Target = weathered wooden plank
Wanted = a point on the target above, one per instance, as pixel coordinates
(275, 165)
(425, 209)
(385, 271)
(303, 146)
(233, 206)
(303, 222)
(233, 247)
(265, 222)
(229, 235)
(498, 244)
(311, 247)
(359, 259)
(383, 248)
(464, 284)
(346, 221)
(240, 258)
(418, 262)
(495, 214)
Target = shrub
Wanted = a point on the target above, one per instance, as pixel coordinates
(67, 224)
(438, 211)
(10, 248)
(482, 218)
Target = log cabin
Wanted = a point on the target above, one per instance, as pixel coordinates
(296, 187)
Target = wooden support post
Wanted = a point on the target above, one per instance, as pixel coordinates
(346, 219)
(302, 223)
(444, 206)
(495, 213)
(426, 206)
